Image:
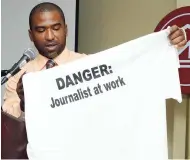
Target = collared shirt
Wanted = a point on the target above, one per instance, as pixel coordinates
(11, 98)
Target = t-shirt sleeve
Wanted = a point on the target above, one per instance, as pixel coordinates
(170, 73)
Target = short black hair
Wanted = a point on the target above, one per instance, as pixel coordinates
(45, 7)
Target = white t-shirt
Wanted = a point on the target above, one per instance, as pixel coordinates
(106, 106)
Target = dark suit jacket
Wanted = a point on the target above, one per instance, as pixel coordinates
(13, 137)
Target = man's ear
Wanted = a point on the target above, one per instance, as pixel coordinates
(30, 35)
(66, 30)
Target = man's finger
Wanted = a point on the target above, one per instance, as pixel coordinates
(177, 40)
(181, 44)
(174, 28)
(176, 34)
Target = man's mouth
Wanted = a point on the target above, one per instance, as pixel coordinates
(51, 46)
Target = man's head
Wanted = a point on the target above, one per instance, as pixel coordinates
(48, 30)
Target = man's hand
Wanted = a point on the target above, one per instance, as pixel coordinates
(14, 108)
(20, 92)
(177, 37)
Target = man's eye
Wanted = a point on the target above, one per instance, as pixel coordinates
(57, 27)
(40, 29)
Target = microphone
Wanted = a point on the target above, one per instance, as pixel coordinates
(28, 55)
(4, 73)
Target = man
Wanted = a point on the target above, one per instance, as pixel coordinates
(48, 31)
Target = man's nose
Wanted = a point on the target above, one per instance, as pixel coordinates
(49, 35)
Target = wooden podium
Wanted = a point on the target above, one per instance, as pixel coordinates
(13, 137)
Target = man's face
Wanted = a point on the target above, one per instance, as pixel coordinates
(48, 33)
